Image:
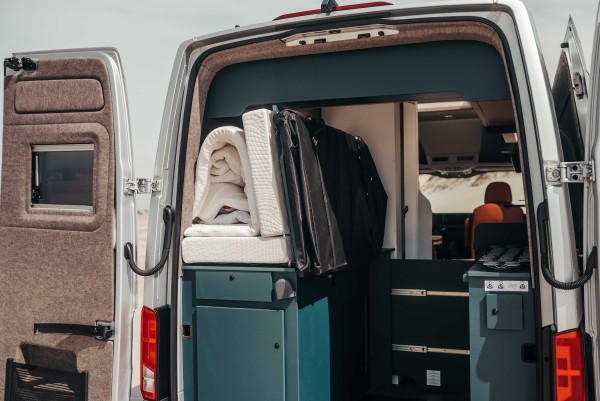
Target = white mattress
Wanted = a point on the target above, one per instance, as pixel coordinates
(261, 143)
(216, 140)
(273, 250)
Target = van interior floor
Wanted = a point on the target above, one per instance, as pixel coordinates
(407, 391)
(422, 397)
(410, 393)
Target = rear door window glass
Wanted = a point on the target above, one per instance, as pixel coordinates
(63, 176)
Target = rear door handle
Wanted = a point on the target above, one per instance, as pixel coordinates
(169, 219)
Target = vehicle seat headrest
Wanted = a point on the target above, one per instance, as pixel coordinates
(498, 192)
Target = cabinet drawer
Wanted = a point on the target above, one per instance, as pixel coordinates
(234, 286)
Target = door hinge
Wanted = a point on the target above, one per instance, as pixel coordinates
(578, 86)
(25, 64)
(570, 173)
(142, 186)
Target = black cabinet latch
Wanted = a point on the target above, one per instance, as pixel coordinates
(25, 64)
(101, 331)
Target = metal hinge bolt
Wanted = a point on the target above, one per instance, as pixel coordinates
(15, 64)
(578, 86)
(142, 186)
(570, 172)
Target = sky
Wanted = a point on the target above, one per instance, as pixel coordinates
(147, 34)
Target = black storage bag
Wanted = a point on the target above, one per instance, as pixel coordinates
(337, 201)
(355, 192)
(317, 239)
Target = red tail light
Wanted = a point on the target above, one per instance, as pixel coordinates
(149, 354)
(568, 366)
(338, 8)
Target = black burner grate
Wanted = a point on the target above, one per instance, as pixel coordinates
(33, 383)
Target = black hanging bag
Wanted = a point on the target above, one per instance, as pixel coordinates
(317, 239)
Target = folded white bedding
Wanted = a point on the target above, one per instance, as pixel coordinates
(226, 166)
(223, 166)
(219, 195)
(228, 156)
(219, 230)
(235, 250)
(264, 165)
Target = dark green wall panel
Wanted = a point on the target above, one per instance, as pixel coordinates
(473, 70)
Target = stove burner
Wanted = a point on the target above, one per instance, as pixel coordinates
(505, 258)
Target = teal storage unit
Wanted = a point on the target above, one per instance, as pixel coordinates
(243, 342)
(243, 354)
(502, 327)
(246, 344)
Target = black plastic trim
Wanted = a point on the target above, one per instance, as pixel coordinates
(545, 362)
(163, 383)
(43, 386)
(101, 331)
(590, 378)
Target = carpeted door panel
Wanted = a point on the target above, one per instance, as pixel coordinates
(57, 266)
(16, 208)
(58, 95)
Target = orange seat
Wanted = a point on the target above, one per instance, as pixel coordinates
(497, 209)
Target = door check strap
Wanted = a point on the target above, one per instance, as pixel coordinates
(101, 331)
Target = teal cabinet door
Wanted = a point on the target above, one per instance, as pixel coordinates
(241, 354)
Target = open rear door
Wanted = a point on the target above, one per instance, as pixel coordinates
(570, 94)
(577, 109)
(67, 297)
(592, 221)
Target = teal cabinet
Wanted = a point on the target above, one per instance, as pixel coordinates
(502, 324)
(245, 344)
(241, 354)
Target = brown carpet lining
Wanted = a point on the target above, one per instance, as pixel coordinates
(57, 266)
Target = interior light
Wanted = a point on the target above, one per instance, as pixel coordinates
(443, 106)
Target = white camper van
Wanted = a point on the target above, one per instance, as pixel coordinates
(300, 243)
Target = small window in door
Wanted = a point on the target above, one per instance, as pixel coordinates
(62, 176)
